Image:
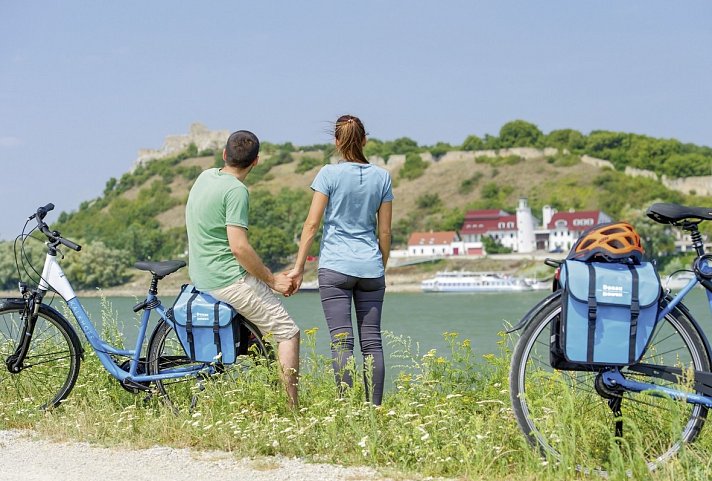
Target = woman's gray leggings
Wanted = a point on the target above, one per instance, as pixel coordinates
(336, 292)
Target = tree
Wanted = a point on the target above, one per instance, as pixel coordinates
(491, 142)
(403, 145)
(492, 246)
(473, 142)
(414, 167)
(657, 239)
(428, 201)
(569, 139)
(273, 244)
(375, 147)
(519, 133)
(110, 185)
(440, 149)
(97, 266)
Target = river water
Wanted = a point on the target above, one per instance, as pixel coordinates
(422, 317)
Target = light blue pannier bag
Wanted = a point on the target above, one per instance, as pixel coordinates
(609, 311)
(208, 329)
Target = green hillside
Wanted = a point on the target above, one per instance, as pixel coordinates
(140, 215)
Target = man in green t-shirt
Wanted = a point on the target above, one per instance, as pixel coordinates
(223, 263)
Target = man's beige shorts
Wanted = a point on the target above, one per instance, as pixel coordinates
(255, 300)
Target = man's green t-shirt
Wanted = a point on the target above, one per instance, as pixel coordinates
(216, 200)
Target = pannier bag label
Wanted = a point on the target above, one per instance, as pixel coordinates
(208, 329)
(609, 311)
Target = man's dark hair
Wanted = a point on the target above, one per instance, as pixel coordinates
(241, 149)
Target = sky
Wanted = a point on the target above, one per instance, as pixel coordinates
(85, 84)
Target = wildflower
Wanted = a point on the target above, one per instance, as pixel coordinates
(362, 443)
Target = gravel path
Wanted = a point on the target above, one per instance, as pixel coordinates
(25, 458)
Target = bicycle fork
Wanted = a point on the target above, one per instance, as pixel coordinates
(14, 361)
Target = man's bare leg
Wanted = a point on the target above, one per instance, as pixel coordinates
(288, 352)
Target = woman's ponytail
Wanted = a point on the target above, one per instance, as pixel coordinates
(350, 135)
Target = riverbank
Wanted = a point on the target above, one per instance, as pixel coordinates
(398, 279)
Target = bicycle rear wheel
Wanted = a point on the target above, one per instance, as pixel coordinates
(51, 366)
(572, 418)
(166, 352)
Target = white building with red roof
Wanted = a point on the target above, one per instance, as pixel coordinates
(522, 232)
(432, 243)
(515, 231)
(444, 243)
(566, 227)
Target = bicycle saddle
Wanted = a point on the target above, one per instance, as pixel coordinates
(160, 268)
(673, 213)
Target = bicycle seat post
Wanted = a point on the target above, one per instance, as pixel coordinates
(696, 237)
(153, 289)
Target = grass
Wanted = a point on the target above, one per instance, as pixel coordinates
(448, 415)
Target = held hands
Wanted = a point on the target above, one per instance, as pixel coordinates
(297, 276)
(288, 283)
(283, 284)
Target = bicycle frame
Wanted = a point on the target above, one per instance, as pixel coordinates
(614, 378)
(53, 277)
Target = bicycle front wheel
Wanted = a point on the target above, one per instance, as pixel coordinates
(572, 418)
(165, 352)
(49, 370)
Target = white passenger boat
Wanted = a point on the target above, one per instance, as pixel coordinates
(309, 286)
(463, 281)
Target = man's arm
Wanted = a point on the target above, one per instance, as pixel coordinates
(248, 258)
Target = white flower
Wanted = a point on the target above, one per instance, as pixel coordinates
(362, 443)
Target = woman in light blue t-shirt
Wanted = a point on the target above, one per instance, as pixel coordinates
(354, 198)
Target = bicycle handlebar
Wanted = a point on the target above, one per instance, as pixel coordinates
(42, 211)
(53, 236)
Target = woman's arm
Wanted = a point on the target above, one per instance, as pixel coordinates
(311, 225)
(385, 213)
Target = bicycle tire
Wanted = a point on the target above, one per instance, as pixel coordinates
(51, 367)
(564, 415)
(166, 351)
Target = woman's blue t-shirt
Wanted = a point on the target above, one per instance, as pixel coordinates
(356, 191)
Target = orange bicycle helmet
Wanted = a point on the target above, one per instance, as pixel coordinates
(612, 242)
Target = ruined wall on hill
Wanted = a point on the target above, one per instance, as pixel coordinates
(198, 134)
(206, 139)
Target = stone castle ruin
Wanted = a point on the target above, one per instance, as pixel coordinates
(199, 135)
(205, 139)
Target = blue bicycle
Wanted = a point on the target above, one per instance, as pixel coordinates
(42, 352)
(593, 416)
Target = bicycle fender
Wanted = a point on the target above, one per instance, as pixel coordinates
(551, 298)
(18, 302)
